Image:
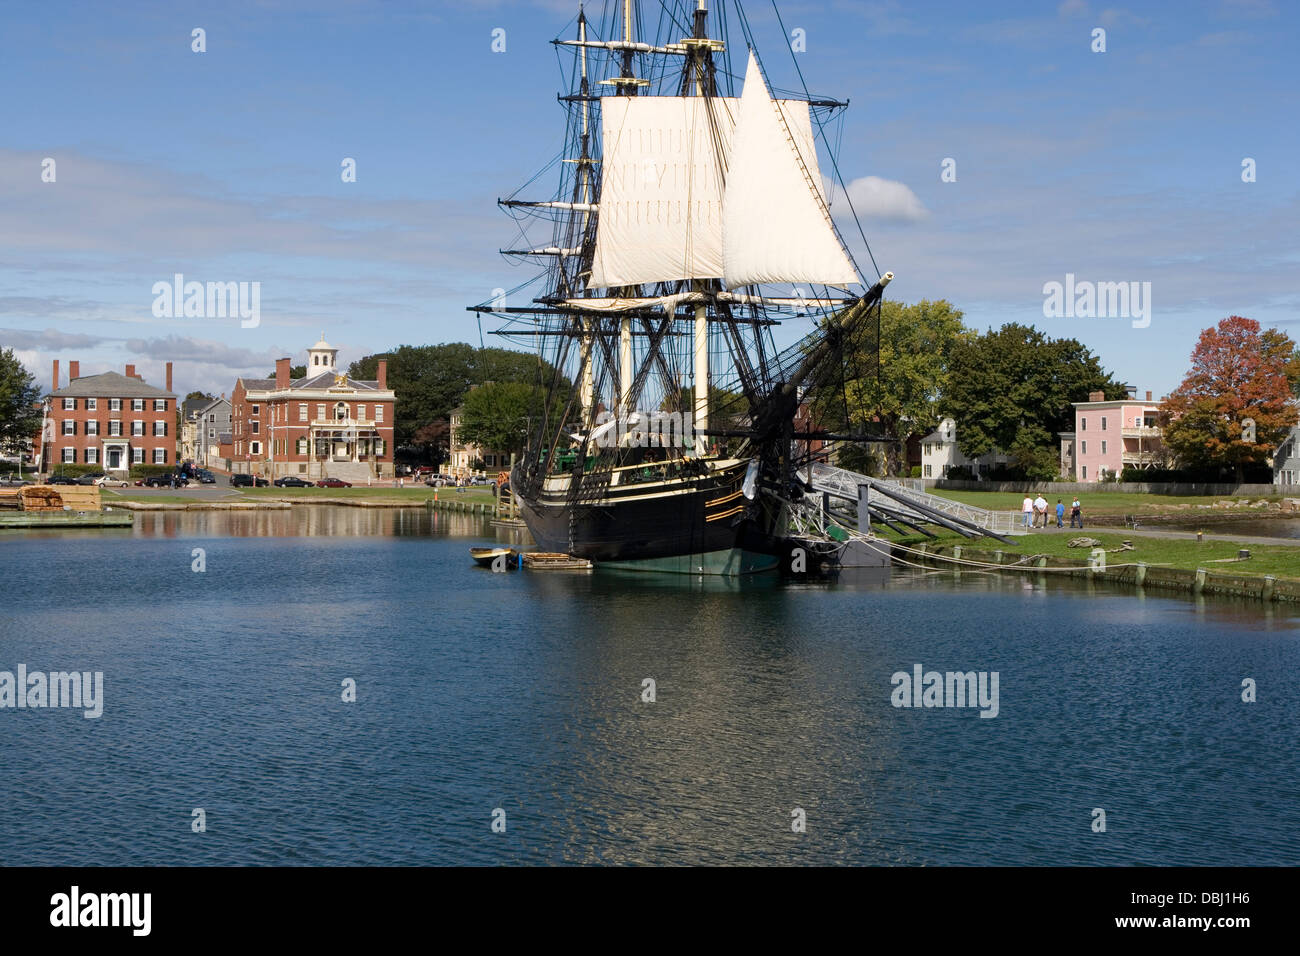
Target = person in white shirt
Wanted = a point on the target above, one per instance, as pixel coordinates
(1027, 508)
(1040, 509)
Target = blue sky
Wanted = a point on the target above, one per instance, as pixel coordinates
(1117, 166)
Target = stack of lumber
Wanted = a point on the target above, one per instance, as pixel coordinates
(9, 499)
(40, 498)
(52, 498)
(80, 497)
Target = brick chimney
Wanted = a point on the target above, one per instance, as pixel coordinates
(282, 373)
(54, 377)
(383, 374)
(1148, 394)
(74, 371)
(169, 376)
(130, 371)
(1096, 396)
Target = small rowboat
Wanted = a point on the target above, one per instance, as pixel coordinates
(488, 557)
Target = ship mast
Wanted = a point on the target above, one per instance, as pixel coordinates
(627, 87)
(695, 64)
(588, 386)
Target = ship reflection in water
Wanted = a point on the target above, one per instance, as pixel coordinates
(527, 691)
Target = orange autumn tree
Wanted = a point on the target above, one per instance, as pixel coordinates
(1239, 374)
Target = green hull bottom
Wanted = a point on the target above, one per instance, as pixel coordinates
(728, 562)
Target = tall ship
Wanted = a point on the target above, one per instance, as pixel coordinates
(689, 219)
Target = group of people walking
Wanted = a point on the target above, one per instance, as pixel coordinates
(1036, 514)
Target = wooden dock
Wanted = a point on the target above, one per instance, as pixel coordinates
(550, 561)
(66, 519)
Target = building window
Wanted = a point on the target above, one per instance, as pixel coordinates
(160, 456)
(1103, 444)
(379, 447)
(254, 410)
(137, 404)
(212, 433)
(300, 446)
(114, 404)
(1083, 424)
(137, 456)
(160, 428)
(115, 427)
(1085, 472)
(160, 404)
(341, 411)
(320, 413)
(92, 456)
(256, 426)
(302, 411)
(1083, 448)
(69, 427)
(137, 428)
(1103, 422)
(70, 455)
(361, 412)
(927, 471)
(92, 427)
(379, 413)
(92, 404)
(255, 447)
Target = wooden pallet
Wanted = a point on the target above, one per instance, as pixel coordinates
(550, 561)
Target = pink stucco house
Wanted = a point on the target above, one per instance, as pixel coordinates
(1112, 435)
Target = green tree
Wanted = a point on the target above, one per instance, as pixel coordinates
(1239, 375)
(204, 395)
(20, 412)
(499, 415)
(431, 380)
(902, 398)
(295, 371)
(1013, 389)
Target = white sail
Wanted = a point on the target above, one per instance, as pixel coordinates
(776, 227)
(665, 166)
(661, 189)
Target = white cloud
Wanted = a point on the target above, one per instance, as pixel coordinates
(876, 198)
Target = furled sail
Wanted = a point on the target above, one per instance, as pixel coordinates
(775, 224)
(665, 173)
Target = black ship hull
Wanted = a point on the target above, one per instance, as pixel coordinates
(703, 525)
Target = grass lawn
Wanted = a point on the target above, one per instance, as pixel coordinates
(1102, 502)
(1280, 560)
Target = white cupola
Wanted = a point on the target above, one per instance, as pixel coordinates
(321, 357)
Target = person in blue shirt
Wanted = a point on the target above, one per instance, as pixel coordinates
(1060, 514)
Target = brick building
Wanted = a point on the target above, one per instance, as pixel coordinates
(110, 420)
(325, 424)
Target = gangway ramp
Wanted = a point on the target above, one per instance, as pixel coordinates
(893, 499)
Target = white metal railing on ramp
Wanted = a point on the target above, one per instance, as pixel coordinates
(844, 484)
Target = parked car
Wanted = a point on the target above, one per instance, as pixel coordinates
(333, 483)
(292, 481)
(89, 478)
(249, 481)
(204, 477)
(166, 481)
(108, 481)
(61, 480)
(480, 480)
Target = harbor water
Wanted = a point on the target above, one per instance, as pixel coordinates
(227, 643)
